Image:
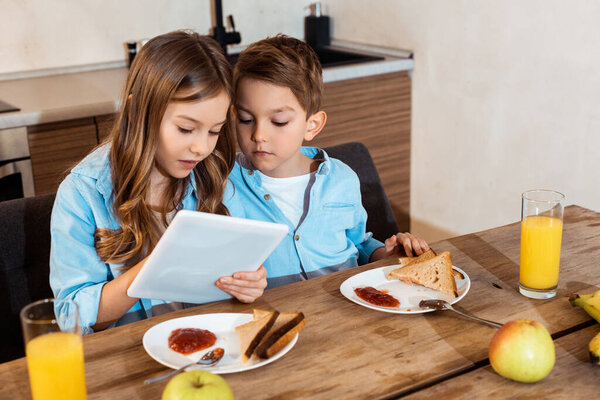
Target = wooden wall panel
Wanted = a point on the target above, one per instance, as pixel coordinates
(105, 124)
(57, 147)
(376, 111)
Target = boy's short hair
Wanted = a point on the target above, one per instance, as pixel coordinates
(284, 61)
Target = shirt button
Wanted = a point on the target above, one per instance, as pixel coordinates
(267, 197)
(250, 172)
(297, 237)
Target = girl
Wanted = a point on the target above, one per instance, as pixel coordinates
(171, 148)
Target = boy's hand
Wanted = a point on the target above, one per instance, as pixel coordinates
(409, 242)
(411, 245)
(245, 286)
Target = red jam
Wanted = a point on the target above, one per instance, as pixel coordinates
(377, 297)
(190, 340)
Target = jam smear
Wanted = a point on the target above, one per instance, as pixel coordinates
(190, 340)
(377, 297)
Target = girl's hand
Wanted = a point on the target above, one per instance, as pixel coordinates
(245, 286)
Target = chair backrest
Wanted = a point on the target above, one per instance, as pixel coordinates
(381, 220)
(24, 265)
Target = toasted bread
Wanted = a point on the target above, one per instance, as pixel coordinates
(281, 333)
(457, 275)
(258, 314)
(251, 333)
(429, 254)
(434, 273)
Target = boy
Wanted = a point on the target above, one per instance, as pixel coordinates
(278, 89)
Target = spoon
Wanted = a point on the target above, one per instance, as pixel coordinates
(209, 359)
(444, 305)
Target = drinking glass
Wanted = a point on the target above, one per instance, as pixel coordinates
(54, 350)
(541, 234)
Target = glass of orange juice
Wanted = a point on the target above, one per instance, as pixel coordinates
(541, 234)
(54, 350)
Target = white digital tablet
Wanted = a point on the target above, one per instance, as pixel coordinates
(197, 249)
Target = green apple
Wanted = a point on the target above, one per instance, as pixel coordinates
(197, 385)
(523, 351)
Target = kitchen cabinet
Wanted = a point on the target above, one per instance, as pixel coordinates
(104, 123)
(57, 147)
(375, 110)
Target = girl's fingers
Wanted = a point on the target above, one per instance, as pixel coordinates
(259, 274)
(259, 282)
(244, 295)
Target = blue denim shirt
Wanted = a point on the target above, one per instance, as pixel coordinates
(331, 234)
(83, 204)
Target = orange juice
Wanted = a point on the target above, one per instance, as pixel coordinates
(55, 363)
(540, 251)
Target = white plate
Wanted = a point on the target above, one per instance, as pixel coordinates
(408, 295)
(156, 344)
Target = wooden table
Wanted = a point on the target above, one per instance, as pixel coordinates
(351, 352)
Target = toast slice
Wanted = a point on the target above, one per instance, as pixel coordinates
(251, 333)
(282, 332)
(428, 255)
(434, 273)
(457, 275)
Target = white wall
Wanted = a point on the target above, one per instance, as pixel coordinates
(43, 34)
(506, 97)
(506, 94)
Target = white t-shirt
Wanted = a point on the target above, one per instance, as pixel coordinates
(287, 193)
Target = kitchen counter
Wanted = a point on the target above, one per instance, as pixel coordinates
(69, 94)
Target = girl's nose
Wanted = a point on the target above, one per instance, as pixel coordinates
(200, 145)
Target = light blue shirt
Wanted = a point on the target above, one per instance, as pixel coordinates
(83, 204)
(331, 234)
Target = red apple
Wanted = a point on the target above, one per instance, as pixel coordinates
(523, 351)
(197, 385)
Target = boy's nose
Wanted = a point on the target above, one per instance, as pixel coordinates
(259, 134)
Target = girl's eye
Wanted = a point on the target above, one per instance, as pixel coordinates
(183, 130)
(244, 121)
(279, 123)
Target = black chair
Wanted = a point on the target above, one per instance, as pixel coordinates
(24, 265)
(381, 220)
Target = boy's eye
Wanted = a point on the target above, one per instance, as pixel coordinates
(276, 123)
(184, 130)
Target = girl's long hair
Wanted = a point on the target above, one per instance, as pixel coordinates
(177, 66)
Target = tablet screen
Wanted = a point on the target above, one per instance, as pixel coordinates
(197, 249)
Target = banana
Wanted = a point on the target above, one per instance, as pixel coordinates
(589, 302)
(594, 347)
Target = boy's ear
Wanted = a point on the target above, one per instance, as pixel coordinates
(315, 124)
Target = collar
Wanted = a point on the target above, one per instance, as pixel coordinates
(96, 165)
(191, 188)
